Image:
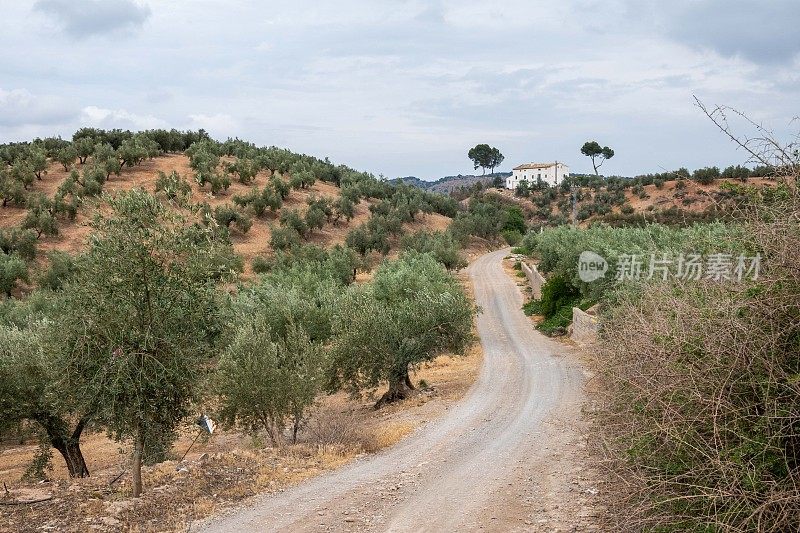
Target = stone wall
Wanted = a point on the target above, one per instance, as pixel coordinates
(534, 279)
(584, 326)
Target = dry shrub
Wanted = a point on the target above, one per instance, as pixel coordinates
(702, 417)
(391, 433)
(342, 430)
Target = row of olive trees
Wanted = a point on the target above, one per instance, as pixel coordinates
(205, 158)
(130, 342)
(44, 213)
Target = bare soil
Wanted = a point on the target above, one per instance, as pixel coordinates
(73, 235)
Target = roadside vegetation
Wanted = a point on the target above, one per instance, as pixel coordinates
(699, 377)
(702, 405)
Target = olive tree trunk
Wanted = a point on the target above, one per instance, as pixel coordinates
(68, 444)
(400, 388)
(138, 449)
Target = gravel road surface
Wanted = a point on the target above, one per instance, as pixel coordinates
(509, 456)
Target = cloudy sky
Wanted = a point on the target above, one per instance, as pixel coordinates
(406, 87)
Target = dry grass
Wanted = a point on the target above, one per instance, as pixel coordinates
(701, 395)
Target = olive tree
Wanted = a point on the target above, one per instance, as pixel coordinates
(37, 158)
(11, 189)
(13, 269)
(244, 169)
(273, 369)
(84, 147)
(343, 207)
(291, 218)
(203, 159)
(442, 246)
(263, 382)
(136, 149)
(66, 156)
(173, 187)
(105, 157)
(19, 242)
(280, 186)
(315, 218)
(140, 315)
(41, 215)
(23, 172)
(259, 200)
(31, 389)
(61, 267)
(412, 312)
(283, 238)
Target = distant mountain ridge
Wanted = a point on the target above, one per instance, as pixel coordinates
(448, 183)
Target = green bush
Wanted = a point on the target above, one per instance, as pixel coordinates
(60, 270)
(515, 220)
(260, 265)
(522, 249)
(532, 307)
(441, 245)
(706, 176)
(556, 323)
(12, 270)
(556, 294)
(512, 237)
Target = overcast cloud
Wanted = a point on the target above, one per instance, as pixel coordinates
(83, 18)
(406, 87)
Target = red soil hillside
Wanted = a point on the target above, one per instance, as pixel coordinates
(686, 196)
(73, 235)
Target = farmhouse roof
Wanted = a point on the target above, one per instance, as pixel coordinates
(534, 166)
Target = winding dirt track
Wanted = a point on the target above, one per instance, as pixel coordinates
(507, 457)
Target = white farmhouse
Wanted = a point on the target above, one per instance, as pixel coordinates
(550, 173)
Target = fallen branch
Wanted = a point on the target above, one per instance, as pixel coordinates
(27, 502)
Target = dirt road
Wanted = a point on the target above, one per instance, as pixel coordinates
(508, 457)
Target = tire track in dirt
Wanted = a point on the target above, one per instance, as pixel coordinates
(509, 456)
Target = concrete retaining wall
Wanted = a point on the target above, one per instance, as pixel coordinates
(584, 327)
(534, 279)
